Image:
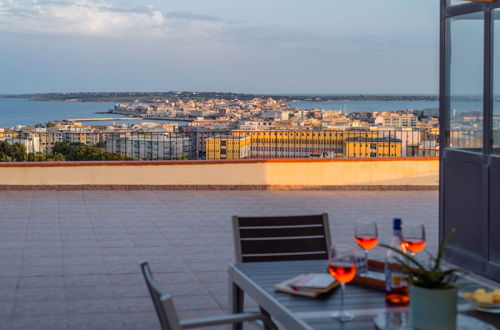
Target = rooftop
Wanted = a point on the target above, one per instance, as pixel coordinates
(378, 139)
(70, 259)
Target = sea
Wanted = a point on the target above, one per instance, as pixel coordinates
(17, 111)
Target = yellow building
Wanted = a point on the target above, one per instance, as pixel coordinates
(88, 138)
(228, 147)
(7, 134)
(301, 144)
(361, 147)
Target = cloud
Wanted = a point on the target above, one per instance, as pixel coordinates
(197, 17)
(100, 18)
(103, 18)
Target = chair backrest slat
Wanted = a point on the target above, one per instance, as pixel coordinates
(281, 238)
(296, 220)
(163, 302)
(283, 245)
(254, 232)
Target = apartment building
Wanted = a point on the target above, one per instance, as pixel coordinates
(396, 120)
(49, 138)
(282, 144)
(88, 137)
(369, 147)
(228, 147)
(276, 115)
(149, 146)
(31, 142)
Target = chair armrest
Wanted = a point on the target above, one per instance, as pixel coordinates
(222, 319)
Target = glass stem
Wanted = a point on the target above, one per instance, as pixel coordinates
(366, 261)
(342, 289)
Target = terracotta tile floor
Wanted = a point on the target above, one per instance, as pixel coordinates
(70, 259)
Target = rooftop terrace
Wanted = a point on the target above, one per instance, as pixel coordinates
(70, 259)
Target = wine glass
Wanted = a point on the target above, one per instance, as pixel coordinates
(413, 237)
(342, 266)
(366, 236)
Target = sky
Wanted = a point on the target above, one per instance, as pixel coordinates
(258, 46)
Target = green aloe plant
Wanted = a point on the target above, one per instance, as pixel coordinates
(431, 275)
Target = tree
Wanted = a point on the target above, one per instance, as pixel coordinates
(15, 152)
(78, 151)
(60, 152)
(100, 145)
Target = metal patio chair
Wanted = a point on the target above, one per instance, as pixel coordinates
(167, 314)
(279, 238)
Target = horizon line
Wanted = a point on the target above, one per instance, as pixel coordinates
(229, 92)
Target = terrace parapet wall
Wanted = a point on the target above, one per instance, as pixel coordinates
(268, 174)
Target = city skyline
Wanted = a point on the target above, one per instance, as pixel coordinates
(283, 47)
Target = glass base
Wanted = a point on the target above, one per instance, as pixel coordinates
(343, 316)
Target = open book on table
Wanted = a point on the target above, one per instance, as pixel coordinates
(308, 285)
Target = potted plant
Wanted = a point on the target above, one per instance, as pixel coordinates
(433, 294)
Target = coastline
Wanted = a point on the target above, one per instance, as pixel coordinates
(135, 97)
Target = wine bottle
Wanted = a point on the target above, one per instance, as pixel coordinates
(396, 288)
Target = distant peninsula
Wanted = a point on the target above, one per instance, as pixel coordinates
(150, 97)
